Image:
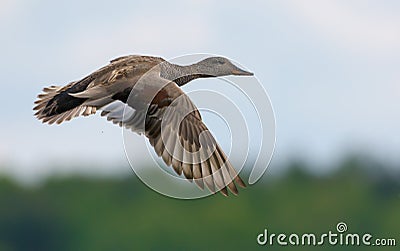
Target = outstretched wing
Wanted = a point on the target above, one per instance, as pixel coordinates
(83, 97)
(175, 129)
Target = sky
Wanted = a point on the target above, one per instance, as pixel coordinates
(330, 69)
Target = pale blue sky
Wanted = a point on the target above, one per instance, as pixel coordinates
(331, 69)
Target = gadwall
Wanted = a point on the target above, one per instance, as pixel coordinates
(157, 107)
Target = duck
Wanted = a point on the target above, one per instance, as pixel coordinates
(143, 94)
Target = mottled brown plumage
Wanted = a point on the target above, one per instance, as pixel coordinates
(142, 93)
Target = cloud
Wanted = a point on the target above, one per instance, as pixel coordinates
(9, 8)
(351, 26)
(161, 34)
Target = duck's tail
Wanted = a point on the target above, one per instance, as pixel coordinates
(56, 105)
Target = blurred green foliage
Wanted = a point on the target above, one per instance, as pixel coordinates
(79, 213)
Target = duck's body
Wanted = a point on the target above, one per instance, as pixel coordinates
(149, 88)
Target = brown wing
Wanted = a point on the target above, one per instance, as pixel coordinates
(84, 97)
(175, 129)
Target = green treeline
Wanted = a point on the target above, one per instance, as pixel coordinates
(123, 214)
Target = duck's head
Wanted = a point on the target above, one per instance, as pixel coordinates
(220, 66)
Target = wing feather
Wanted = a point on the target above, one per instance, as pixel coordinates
(175, 130)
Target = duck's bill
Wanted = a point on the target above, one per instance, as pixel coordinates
(240, 72)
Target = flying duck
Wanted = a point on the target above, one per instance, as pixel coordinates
(143, 93)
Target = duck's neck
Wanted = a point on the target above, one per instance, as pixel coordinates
(181, 75)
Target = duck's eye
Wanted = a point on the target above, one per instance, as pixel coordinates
(221, 62)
